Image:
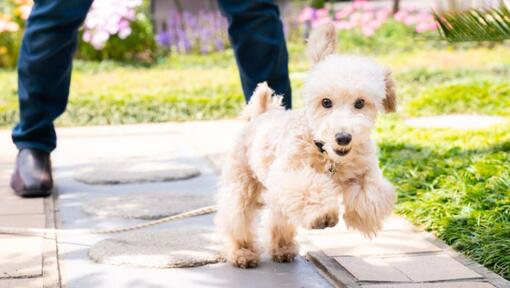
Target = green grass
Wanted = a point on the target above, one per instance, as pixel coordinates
(487, 97)
(174, 90)
(454, 183)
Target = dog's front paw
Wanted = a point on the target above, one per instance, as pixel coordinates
(284, 254)
(244, 258)
(329, 219)
(367, 208)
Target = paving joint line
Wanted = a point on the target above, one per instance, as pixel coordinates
(50, 260)
(20, 277)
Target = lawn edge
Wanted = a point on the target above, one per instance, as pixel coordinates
(493, 278)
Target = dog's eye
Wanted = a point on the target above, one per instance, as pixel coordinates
(359, 104)
(327, 103)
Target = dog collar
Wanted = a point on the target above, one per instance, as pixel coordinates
(332, 164)
(319, 145)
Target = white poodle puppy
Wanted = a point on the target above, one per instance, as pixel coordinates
(301, 163)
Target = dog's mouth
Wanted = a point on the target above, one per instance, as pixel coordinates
(342, 151)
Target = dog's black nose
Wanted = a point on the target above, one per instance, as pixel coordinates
(343, 138)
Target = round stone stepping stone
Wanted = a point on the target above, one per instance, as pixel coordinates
(176, 248)
(126, 173)
(455, 121)
(146, 205)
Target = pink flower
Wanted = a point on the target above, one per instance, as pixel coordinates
(367, 31)
(99, 39)
(343, 25)
(25, 11)
(366, 17)
(12, 27)
(425, 27)
(409, 20)
(401, 15)
(306, 14)
(109, 17)
(359, 4)
(382, 15)
(356, 17)
(87, 36)
(322, 13)
(124, 33)
(345, 12)
(321, 21)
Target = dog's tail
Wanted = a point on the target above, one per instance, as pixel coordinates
(262, 101)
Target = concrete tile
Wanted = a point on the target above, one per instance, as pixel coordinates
(23, 221)
(393, 223)
(22, 206)
(462, 284)
(5, 179)
(371, 269)
(432, 267)
(25, 283)
(20, 256)
(386, 243)
(6, 191)
(397, 223)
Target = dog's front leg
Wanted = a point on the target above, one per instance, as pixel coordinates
(307, 198)
(368, 201)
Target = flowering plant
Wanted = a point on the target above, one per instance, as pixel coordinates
(109, 18)
(203, 32)
(13, 14)
(118, 30)
(365, 17)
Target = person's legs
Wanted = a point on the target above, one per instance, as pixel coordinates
(256, 34)
(44, 76)
(44, 70)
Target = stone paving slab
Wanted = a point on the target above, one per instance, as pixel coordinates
(6, 193)
(36, 282)
(5, 177)
(431, 267)
(20, 256)
(372, 269)
(462, 284)
(386, 243)
(408, 268)
(21, 206)
(23, 221)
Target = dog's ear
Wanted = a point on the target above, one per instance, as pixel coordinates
(390, 100)
(322, 42)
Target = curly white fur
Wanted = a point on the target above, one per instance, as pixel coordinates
(275, 160)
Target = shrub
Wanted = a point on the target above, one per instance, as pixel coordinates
(118, 30)
(13, 14)
(9, 46)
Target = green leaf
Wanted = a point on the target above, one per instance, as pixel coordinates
(475, 24)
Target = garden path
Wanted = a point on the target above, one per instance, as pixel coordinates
(401, 256)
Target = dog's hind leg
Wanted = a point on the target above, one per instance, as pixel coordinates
(237, 207)
(283, 248)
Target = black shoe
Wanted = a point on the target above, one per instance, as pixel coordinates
(32, 176)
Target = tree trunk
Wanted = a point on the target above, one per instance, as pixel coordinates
(396, 6)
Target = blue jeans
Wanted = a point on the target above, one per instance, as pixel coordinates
(51, 36)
